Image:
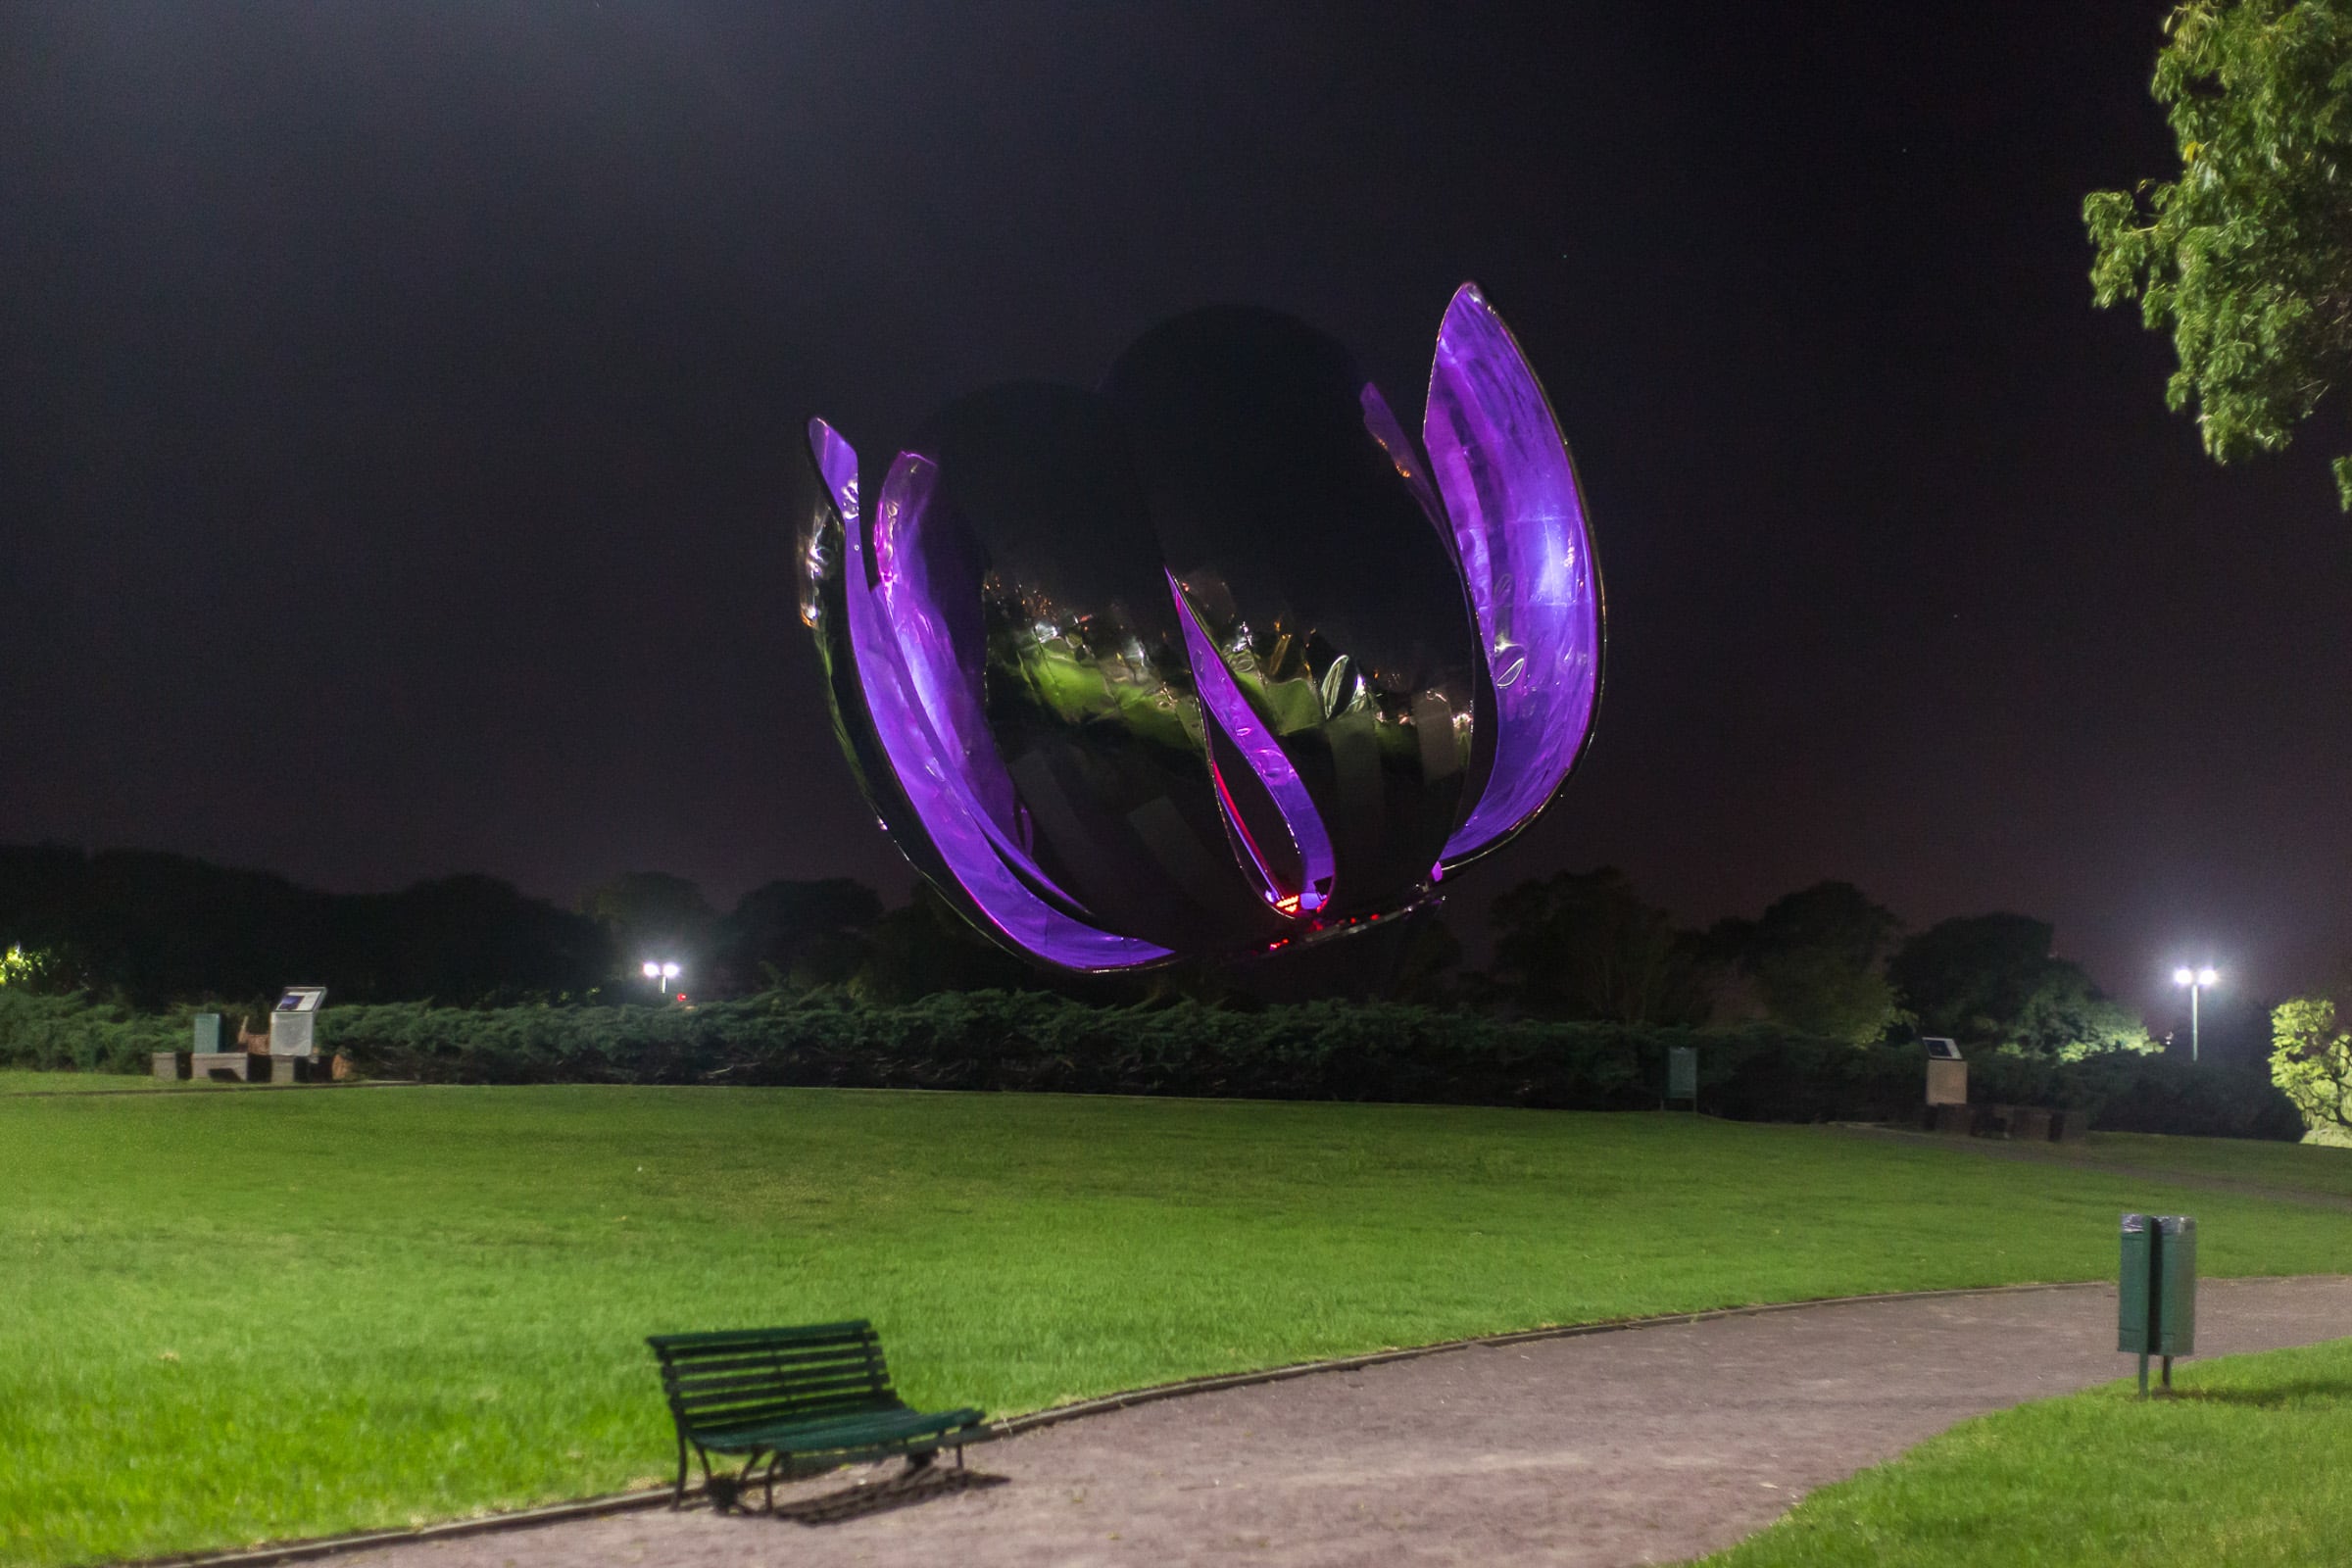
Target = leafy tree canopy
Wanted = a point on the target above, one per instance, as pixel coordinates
(1970, 976)
(1583, 945)
(1989, 982)
(2311, 1060)
(2246, 256)
(798, 933)
(2067, 1018)
(150, 928)
(1817, 957)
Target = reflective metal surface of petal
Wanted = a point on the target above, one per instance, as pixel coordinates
(1302, 546)
(947, 774)
(1510, 489)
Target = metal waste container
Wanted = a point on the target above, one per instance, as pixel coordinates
(2176, 1288)
(1682, 1074)
(2156, 1290)
(291, 1020)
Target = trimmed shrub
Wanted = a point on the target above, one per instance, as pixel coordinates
(990, 1039)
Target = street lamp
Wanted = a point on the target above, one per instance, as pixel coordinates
(2196, 980)
(660, 973)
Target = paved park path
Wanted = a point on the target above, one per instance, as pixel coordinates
(1640, 1445)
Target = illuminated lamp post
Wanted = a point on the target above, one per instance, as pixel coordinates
(2196, 980)
(661, 976)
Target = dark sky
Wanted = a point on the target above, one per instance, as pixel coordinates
(399, 404)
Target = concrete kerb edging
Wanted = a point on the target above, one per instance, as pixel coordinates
(635, 1502)
(184, 1088)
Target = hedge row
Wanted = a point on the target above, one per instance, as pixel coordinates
(1319, 1051)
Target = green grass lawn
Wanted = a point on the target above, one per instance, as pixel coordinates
(2250, 1465)
(236, 1316)
(2311, 1168)
(14, 1081)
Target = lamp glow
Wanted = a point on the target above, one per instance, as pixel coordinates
(653, 971)
(2196, 980)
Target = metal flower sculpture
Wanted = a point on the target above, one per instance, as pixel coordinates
(1216, 658)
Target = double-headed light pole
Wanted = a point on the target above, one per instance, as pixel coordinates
(2196, 980)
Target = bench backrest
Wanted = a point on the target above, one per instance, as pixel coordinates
(739, 1378)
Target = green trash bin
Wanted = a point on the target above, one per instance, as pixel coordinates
(1682, 1074)
(2176, 1287)
(2156, 1290)
(2136, 1290)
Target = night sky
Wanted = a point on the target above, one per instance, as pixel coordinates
(400, 404)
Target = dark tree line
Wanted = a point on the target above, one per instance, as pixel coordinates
(1824, 960)
(151, 928)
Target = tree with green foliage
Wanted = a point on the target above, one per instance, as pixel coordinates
(1583, 945)
(1990, 982)
(2067, 1018)
(2246, 256)
(1427, 962)
(26, 967)
(1969, 978)
(798, 934)
(1818, 959)
(2311, 1061)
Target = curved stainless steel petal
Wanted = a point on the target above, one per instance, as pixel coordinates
(1042, 557)
(1518, 518)
(917, 714)
(1315, 569)
(1296, 883)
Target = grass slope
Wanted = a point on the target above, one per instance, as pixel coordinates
(243, 1316)
(2311, 1168)
(19, 1081)
(2249, 1464)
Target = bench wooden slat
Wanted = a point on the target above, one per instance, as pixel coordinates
(798, 1388)
(694, 1376)
(823, 1437)
(858, 1344)
(858, 1328)
(699, 1366)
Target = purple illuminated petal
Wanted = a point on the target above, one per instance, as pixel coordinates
(938, 778)
(1519, 528)
(946, 694)
(837, 461)
(1400, 447)
(1226, 705)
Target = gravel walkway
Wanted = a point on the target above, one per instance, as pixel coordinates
(1646, 1446)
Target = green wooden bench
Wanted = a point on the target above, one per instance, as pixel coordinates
(794, 1402)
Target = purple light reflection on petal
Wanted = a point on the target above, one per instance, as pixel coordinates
(937, 788)
(947, 696)
(837, 461)
(1519, 528)
(1228, 707)
(1400, 447)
